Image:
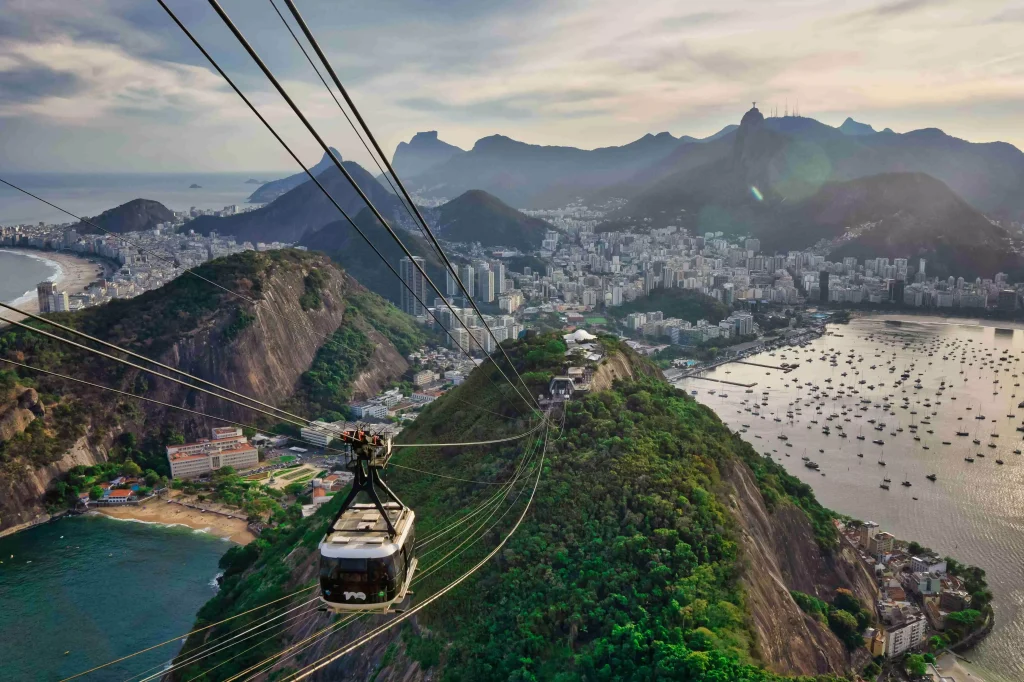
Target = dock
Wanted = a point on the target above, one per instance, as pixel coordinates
(722, 381)
(787, 368)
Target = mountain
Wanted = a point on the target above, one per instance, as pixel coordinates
(534, 176)
(350, 251)
(268, 191)
(658, 545)
(134, 216)
(477, 216)
(792, 181)
(899, 215)
(851, 127)
(316, 339)
(789, 158)
(422, 152)
(303, 209)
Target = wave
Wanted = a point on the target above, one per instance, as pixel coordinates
(148, 523)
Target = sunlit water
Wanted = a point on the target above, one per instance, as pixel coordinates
(973, 511)
(79, 592)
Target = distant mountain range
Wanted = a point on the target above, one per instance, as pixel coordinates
(269, 191)
(793, 181)
(135, 216)
(533, 176)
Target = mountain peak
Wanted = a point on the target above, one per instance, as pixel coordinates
(851, 127)
(753, 117)
(424, 151)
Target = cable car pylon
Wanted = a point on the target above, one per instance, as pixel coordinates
(367, 557)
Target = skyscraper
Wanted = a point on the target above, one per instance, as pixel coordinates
(451, 287)
(45, 292)
(468, 276)
(499, 278)
(415, 281)
(484, 283)
(822, 286)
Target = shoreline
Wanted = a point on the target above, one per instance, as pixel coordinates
(73, 273)
(163, 513)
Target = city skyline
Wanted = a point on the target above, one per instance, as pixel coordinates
(112, 85)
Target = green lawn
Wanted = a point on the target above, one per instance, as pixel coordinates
(597, 319)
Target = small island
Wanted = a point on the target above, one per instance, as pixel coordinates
(254, 181)
(195, 186)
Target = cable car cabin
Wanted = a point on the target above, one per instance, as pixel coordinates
(362, 566)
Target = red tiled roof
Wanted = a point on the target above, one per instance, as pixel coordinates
(121, 493)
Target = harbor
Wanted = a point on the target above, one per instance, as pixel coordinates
(916, 426)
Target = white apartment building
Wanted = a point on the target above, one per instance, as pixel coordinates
(318, 433)
(904, 637)
(227, 448)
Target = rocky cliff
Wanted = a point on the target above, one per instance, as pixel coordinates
(780, 554)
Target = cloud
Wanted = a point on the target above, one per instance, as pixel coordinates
(587, 73)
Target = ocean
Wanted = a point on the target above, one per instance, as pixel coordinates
(82, 591)
(973, 512)
(89, 194)
(20, 273)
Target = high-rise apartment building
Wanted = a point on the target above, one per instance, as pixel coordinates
(45, 292)
(416, 282)
(484, 283)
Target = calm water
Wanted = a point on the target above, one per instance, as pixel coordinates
(99, 589)
(91, 194)
(19, 274)
(974, 511)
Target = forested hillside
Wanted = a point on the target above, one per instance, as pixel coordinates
(632, 564)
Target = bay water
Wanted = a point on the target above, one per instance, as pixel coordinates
(85, 590)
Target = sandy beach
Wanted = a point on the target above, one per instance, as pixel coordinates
(161, 511)
(76, 273)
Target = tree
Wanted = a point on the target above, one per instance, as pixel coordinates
(130, 468)
(152, 478)
(844, 624)
(294, 488)
(95, 493)
(915, 665)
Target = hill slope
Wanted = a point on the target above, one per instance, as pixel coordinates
(477, 216)
(303, 209)
(133, 216)
(898, 215)
(658, 546)
(265, 351)
(269, 191)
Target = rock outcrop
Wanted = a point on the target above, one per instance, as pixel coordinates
(782, 554)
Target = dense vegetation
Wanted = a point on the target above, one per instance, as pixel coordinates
(626, 568)
(686, 304)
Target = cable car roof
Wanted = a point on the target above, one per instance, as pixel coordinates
(361, 533)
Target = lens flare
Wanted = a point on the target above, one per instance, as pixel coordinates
(757, 193)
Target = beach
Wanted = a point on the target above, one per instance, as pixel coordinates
(168, 513)
(74, 274)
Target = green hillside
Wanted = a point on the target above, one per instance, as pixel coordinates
(626, 567)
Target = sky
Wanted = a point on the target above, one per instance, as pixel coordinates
(114, 85)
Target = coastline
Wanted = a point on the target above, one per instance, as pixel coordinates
(73, 273)
(162, 512)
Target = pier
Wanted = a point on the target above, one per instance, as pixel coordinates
(787, 368)
(720, 381)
